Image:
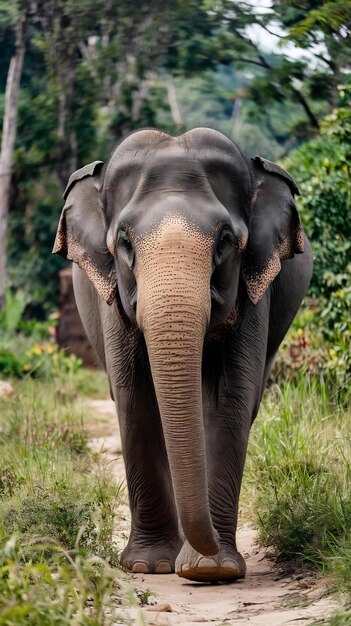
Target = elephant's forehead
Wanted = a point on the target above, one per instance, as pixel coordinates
(198, 138)
(199, 162)
(201, 144)
(176, 168)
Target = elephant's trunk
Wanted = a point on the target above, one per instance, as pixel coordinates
(173, 311)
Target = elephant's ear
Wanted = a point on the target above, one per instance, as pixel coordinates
(275, 231)
(81, 233)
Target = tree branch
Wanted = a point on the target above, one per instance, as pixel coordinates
(252, 62)
(270, 31)
(172, 101)
(264, 62)
(301, 98)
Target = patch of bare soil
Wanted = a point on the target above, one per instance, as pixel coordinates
(262, 598)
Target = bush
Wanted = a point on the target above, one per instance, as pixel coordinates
(27, 347)
(322, 169)
(335, 320)
(340, 619)
(69, 590)
(318, 344)
(44, 360)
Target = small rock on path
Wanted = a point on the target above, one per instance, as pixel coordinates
(6, 390)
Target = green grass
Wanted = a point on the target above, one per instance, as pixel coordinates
(340, 619)
(68, 589)
(297, 483)
(58, 509)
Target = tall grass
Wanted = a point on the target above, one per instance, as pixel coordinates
(58, 507)
(298, 478)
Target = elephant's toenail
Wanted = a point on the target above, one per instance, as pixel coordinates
(163, 567)
(140, 567)
(206, 562)
(230, 563)
(185, 567)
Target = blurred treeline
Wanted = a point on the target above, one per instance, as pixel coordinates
(94, 70)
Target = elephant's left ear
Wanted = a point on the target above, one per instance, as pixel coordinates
(81, 233)
(275, 231)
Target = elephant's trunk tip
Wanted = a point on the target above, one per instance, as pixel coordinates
(207, 543)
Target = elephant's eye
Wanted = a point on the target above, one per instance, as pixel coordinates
(225, 244)
(125, 248)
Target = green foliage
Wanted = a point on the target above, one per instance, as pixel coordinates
(94, 71)
(318, 345)
(27, 347)
(336, 328)
(8, 13)
(340, 619)
(339, 566)
(326, 22)
(11, 315)
(21, 357)
(322, 168)
(57, 511)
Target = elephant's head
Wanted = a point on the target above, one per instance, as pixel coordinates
(170, 228)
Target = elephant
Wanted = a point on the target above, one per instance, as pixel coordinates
(189, 266)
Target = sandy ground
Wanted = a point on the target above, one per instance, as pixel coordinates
(263, 598)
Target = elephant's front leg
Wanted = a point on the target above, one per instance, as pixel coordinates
(226, 449)
(230, 398)
(154, 540)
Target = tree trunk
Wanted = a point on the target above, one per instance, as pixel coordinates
(68, 145)
(172, 101)
(9, 129)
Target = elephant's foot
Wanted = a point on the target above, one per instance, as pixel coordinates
(227, 565)
(150, 559)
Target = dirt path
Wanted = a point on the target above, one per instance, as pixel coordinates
(263, 598)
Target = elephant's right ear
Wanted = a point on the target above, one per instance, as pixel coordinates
(81, 233)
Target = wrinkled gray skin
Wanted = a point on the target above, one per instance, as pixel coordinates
(189, 266)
